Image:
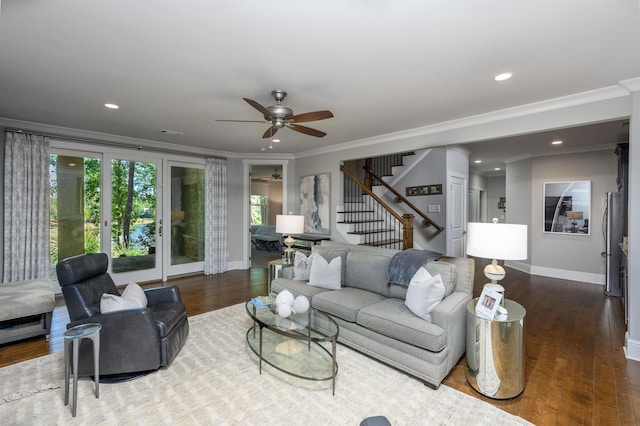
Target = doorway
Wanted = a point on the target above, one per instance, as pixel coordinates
(266, 202)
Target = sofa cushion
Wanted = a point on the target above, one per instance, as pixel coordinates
(424, 293)
(296, 287)
(448, 272)
(329, 253)
(345, 303)
(368, 271)
(392, 318)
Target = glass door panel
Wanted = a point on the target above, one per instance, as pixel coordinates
(75, 206)
(187, 202)
(133, 217)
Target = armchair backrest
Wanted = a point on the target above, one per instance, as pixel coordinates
(84, 279)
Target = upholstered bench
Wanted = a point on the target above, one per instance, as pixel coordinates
(26, 309)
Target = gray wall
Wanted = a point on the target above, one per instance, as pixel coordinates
(580, 253)
(2, 138)
(496, 188)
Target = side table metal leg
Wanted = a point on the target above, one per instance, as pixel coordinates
(67, 370)
(96, 361)
(76, 350)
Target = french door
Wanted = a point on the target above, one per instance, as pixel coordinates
(118, 204)
(132, 217)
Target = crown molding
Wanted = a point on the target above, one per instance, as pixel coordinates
(578, 99)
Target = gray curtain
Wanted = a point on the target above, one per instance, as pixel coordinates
(26, 207)
(215, 256)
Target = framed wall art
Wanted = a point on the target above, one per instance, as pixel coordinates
(315, 203)
(567, 207)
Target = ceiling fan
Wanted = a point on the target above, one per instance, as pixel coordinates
(280, 116)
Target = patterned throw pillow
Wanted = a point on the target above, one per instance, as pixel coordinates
(302, 266)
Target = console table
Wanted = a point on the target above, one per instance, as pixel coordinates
(308, 240)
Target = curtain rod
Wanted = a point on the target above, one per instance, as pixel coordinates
(113, 144)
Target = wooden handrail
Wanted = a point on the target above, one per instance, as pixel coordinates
(427, 220)
(405, 220)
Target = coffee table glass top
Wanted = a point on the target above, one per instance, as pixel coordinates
(312, 325)
(302, 345)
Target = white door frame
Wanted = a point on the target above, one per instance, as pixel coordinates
(246, 218)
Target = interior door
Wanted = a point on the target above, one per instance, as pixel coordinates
(132, 218)
(456, 216)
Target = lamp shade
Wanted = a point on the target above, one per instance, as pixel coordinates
(497, 240)
(289, 224)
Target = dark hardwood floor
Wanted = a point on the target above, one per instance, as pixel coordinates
(576, 372)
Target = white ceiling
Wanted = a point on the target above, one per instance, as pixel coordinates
(379, 66)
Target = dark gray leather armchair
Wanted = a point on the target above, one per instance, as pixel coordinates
(131, 341)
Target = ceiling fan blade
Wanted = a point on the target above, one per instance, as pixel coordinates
(270, 132)
(311, 116)
(307, 130)
(263, 110)
(243, 121)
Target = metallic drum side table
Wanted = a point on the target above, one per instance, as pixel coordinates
(495, 351)
(72, 338)
(275, 271)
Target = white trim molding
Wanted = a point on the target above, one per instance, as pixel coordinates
(631, 348)
(568, 275)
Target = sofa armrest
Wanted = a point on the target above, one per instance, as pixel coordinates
(451, 315)
(159, 295)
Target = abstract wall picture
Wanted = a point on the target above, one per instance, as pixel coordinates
(315, 203)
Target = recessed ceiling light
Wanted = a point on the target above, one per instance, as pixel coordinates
(556, 142)
(496, 169)
(111, 106)
(478, 161)
(275, 140)
(502, 77)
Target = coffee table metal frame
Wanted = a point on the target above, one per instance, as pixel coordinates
(307, 334)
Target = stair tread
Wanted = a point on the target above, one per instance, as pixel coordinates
(373, 231)
(356, 211)
(362, 221)
(380, 243)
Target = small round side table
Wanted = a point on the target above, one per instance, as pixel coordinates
(72, 339)
(275, 271)
(495, 351)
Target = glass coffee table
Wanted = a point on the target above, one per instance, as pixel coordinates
(302, 345)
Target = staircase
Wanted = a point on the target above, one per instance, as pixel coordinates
(365, 218)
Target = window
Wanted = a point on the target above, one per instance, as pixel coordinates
(258, 210)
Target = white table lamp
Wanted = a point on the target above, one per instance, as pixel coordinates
(289, 224)
(496, 241)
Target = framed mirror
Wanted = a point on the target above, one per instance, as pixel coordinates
(567, 207)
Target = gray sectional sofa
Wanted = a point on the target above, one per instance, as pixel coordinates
(374, 320)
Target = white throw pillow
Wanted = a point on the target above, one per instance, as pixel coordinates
(302, 266)
(133, 297)
(424, 293)
(324, 274)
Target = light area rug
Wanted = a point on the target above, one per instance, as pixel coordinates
(215, 380)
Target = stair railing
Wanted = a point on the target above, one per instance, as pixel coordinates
(427, 221)
(391, 222)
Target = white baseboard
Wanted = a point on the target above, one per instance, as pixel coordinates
(631, 348)
(238, 264)
(565, 274)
